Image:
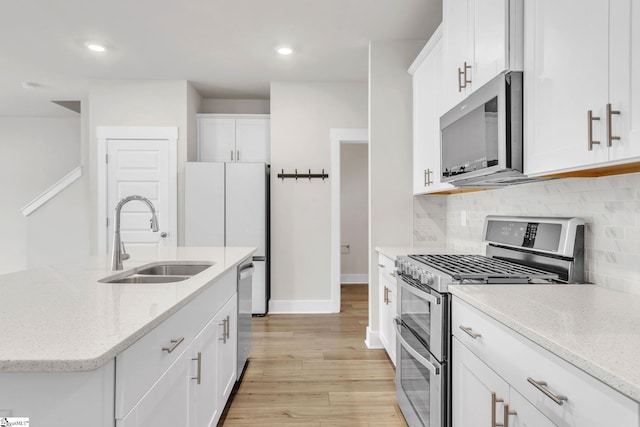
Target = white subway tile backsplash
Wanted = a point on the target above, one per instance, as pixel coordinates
(609, 205)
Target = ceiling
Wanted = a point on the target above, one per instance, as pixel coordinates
(225, 48)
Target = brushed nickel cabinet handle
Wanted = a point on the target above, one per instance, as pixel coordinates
(466, 79)
(590, 120)
(175, 343)
(386, 295)
(494, 401)
(198, 376)
(460, 74)
(238, 155)
(224, 331)
(469, 331)
(228, 327)
(542, 386)
(388, 299)
(427, 177)
(508, 412)
(610, 137)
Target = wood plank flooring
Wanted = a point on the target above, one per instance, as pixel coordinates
(315, 371)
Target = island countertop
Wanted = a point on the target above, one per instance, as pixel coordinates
(591, 327)
(62, 319)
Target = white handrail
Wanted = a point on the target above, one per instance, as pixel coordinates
(69, 179)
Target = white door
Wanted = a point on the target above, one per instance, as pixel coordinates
(252, 140)
(216, 139)
(139, 167)
(204, 204)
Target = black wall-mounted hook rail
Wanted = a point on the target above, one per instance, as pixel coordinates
(297, 175)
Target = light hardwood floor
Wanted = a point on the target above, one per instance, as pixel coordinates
(315, 371)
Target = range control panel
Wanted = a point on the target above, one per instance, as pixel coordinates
(525, 233)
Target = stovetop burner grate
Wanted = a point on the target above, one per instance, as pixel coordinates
(478, 267)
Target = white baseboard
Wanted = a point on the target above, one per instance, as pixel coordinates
(347, 279)
(300, 307)
(373, 339)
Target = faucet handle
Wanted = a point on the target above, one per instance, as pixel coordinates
(124, 255)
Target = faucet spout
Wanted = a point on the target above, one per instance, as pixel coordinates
(118, 253)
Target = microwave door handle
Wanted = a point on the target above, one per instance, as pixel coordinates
(423, 361)
(420, 294)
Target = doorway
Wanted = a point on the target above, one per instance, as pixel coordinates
(141, 161)
(340, 137)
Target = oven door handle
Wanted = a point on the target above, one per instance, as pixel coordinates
(420, 358)
(419, 293)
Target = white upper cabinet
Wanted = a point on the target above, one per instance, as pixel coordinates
(427, 109)
(233, 138)
(482, 38)
(580, 73)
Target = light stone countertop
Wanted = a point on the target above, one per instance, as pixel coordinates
(591, 327)
(394, 252)
(61, 319)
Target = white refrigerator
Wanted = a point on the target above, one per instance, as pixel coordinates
(227, 204)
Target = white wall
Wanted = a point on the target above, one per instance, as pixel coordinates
(354, 212)
(390, 156)
(34, 154)
(301, 116)
(143, 103)
(235, 106)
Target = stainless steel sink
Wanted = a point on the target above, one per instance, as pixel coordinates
(174, 269)
(168, 272)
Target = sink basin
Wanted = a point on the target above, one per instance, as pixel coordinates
(174, 269)
(149, 279)
(167, 272)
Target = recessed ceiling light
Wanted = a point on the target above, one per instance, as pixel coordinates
(284, 50)
(95, 47)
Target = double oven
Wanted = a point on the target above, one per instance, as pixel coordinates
(520, 250)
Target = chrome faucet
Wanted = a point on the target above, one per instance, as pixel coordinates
(118, 254)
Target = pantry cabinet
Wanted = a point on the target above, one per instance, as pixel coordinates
(387, 304)
(581, 95)
(427, 109)
(539, 388)
(233, 138)
(482, 38)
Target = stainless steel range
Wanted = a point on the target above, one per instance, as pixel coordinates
(520, 250)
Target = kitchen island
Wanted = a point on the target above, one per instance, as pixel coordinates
(63, 331)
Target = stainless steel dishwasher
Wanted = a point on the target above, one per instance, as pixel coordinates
(245, 271)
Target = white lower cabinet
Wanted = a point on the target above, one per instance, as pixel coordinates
(182, 372)
(539, 388)
(213, 356)
(387, 304)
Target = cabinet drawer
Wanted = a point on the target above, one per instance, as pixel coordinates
(520, 361)
(387, 267)
(142, 364)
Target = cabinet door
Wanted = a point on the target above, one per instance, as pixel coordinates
(426, 124)
(455, 52)
(624, 80)
(524, 414)
(167, 402)
(566, 69)
(204, 378)
(216, 139)
(488, 25)
(252, 140)
(478, 393)
(227, 351)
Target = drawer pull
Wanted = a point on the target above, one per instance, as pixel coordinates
(469, 331)
(381, 265)
(198, 376)
(175, 343)
(542, 386)
(494, 401)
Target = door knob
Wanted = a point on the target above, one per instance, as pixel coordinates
(163, 234)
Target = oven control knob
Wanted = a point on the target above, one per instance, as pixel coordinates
(406, 268)
(416, 272)
(426, 278)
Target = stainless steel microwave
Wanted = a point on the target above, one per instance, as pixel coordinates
(481, 137)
